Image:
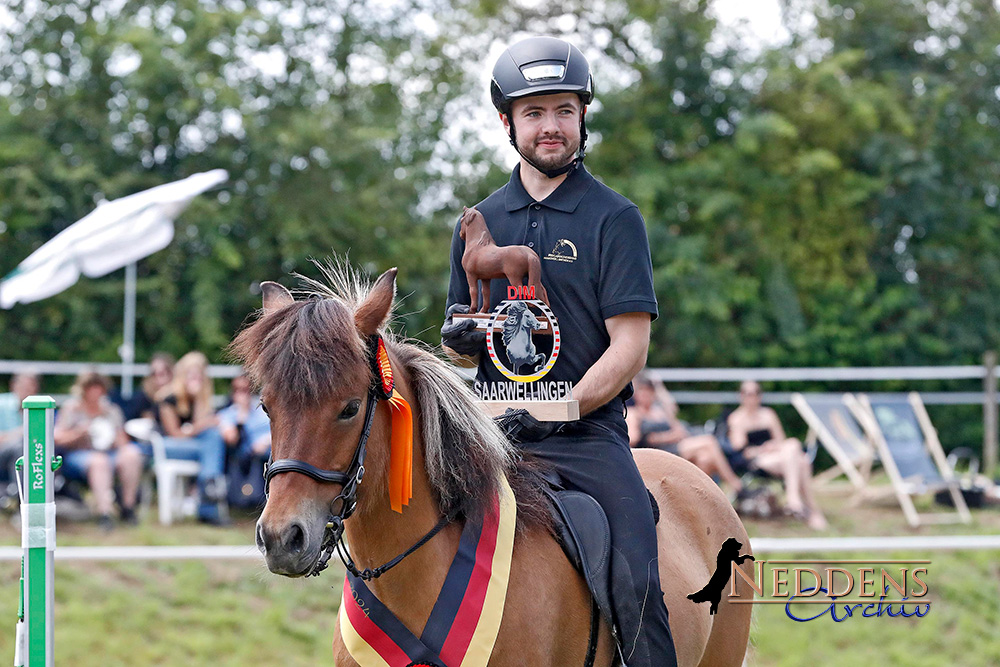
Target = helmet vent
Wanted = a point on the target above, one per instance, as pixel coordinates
(543, 72)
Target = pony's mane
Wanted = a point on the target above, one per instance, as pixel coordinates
(293, 353)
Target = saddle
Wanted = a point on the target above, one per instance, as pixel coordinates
(582, 530)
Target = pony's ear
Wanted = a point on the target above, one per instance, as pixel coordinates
(371, 314)
(276, 297)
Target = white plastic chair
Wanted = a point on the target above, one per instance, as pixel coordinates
(169, 473)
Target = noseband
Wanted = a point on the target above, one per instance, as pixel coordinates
(349, 480)
(347, 500)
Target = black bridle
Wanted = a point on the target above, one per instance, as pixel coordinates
(347, 500)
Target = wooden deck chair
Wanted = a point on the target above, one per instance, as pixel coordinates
(910, 452)
(835, 427)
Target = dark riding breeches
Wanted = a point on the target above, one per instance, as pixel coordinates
(593, 456)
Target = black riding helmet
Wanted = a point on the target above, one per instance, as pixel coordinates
(542, 66)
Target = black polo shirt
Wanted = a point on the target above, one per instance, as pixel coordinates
(595, 265)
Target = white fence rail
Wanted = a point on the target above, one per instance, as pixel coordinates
(761, 545)
(985, 373)
(10, 366)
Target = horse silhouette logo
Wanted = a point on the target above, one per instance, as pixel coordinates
(517, 330)
(712, 592)
(511, 339)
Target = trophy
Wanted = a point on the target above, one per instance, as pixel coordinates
(522, 334)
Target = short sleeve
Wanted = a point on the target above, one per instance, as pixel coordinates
(458, 286)
(227, 416)
(70, 415)
(116, 416)
(626, 284)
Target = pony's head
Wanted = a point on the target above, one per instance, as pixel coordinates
(312, 360)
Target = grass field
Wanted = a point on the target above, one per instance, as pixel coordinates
(236, 613)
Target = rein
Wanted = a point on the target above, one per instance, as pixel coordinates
(347, 500)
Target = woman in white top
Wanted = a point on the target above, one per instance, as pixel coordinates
(89, 435)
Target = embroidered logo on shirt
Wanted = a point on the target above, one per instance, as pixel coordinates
(564, 251)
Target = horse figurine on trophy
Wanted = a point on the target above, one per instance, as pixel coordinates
(484, 260)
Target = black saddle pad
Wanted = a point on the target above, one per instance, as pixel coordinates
(583, 532)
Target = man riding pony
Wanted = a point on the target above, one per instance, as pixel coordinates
(597, 272)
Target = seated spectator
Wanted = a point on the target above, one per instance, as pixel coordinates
(760, 443)
(22, 385)
(652, 422)
(247, 432)
(191, 432)
(90, 437)
(143, 402)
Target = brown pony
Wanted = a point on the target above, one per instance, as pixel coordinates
(484, 260)
(310, 359)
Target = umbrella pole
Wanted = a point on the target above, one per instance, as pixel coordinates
(127, 350)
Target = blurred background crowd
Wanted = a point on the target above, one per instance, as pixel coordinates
(103, 461)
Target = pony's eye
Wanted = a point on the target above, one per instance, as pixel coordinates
(351, 409)
(264, 408)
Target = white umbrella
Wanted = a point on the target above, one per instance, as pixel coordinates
(115, 234)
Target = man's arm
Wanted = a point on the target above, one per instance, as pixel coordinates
(625, 356)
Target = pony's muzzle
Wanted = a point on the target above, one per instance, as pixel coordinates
(287, 549)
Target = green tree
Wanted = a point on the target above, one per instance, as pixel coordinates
(327, 115)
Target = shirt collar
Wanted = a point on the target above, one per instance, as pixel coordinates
(565, 198)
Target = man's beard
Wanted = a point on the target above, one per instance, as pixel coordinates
(549, 160)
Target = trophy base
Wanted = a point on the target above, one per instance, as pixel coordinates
(482, 321)
(543, 411)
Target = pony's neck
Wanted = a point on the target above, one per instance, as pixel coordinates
(376, 534)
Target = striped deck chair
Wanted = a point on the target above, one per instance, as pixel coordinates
(910, 452)
(833, 425)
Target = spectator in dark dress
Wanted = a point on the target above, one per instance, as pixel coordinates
(652, 422)
(758, 437)
(142, 403)
(161, 374)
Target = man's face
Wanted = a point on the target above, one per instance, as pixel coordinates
(548, 128)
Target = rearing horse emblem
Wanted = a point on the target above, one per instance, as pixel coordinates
(515, 322)
(517, 330)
